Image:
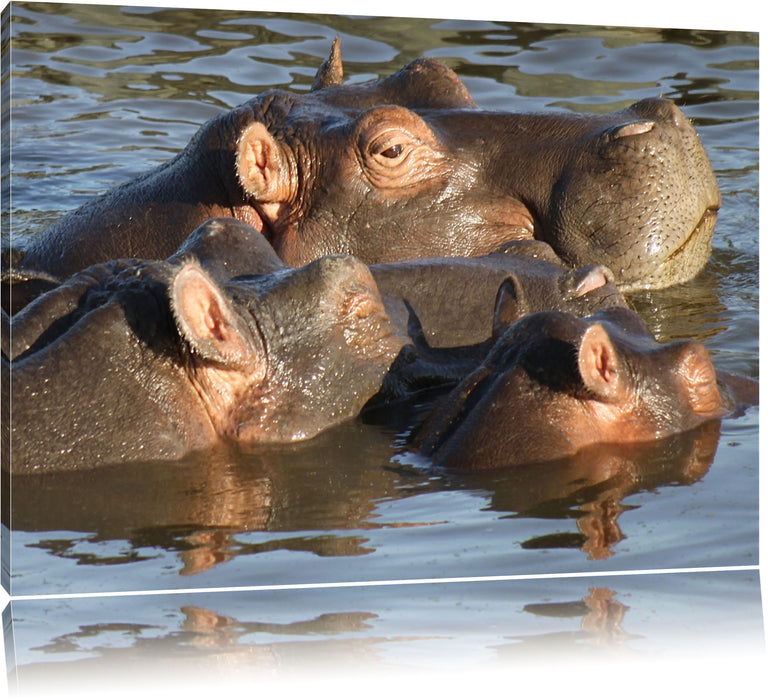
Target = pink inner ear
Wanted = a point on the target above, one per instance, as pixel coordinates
(595, 279)
(204, 317)
(262, 168)
(605, 363)
(198, 305)
(598, 365)
(252, 158)
(213, 321)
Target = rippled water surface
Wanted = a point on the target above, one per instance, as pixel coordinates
(101, 94)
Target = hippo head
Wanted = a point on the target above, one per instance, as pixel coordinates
(280, 357)
(637, 191)
(358, 169)
(227, 248)
(554, 384)
(407, 166)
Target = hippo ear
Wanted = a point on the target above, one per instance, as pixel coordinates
(511, 305)
(330, 72)
(415, 328)
(599, 365)
(262, 168)
(579, 281)
(696, 372)
(207, 321)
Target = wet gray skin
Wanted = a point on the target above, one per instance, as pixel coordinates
(315, 344)
(449, 301)
(453, 299)
(406, 167)
(554, 384)
(158, 359)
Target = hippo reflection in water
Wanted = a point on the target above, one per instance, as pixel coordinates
(334, 483)
(554, 384)
(148, 360)
(406, 166)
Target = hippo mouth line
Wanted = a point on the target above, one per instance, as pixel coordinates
(685, 261)
(705, 225)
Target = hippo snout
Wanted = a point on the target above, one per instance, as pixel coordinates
(661, 110)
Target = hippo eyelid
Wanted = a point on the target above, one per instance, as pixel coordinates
(391, 147)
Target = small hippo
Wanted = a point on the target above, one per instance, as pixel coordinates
(554, 384)
(117, 316)
(406, 167)
(453, 299)
(450, 300)
(158, 359)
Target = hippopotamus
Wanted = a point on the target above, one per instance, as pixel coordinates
(106, 365)
(451, 300)
(444, 303)
(554, 384)
(407, 166)
(158, 360)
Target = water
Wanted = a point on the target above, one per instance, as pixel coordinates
(102, 94)
(479, 635)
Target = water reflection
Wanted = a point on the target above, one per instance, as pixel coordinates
(691, 310)
(590, 487)
(601, 626)
(322, 498)
(196, 507)
(449, 627)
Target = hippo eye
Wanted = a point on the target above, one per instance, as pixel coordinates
(392, 151)
(397, 149)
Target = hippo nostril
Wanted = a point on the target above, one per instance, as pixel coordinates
(361, 304)
(631, 129)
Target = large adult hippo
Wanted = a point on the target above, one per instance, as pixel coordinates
(554, 384)
(135, 359)
(406, 166)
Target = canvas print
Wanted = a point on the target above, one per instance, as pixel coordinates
(293, 299)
